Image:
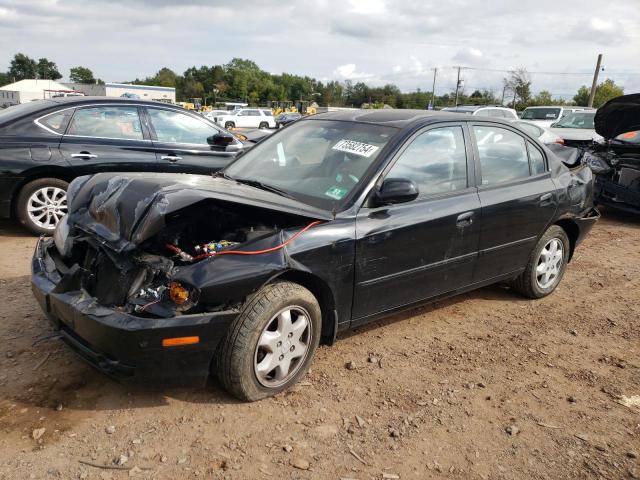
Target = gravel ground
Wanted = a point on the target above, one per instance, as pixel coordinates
(486, 385)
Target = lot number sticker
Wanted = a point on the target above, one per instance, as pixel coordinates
(356, 148)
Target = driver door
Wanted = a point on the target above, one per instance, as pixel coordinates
(410, 252)
(180, 142)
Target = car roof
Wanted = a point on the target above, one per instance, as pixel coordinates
(387, 117)
(89, 99)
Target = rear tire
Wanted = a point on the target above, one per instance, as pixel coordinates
(546, 266)
(258, 356)
(229, 125)
(41, 204)
(263, 125)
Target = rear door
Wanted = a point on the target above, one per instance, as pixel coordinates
(410, 252)
(517, 195)
(107, 138)
(180, 142)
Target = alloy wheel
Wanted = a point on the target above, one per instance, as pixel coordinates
(47, 206)
(283, 346)
(550, 263)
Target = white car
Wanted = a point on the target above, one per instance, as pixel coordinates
(543, 134)
(545, 116)
(577, 129)
(247, 118)
(214, 113)
(484, 111)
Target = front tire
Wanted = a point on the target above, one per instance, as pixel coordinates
(229, 125)
(546, 266)
(41, 204)
(270, 345)
(263, 125)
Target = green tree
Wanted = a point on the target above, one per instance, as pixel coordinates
(519, 83)
(5, 79)
(605, 91)
(47, 69)
(81, 75)
(22, 67)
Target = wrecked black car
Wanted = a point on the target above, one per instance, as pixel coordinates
(616, 161)
(335, 221)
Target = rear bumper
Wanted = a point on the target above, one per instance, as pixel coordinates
(124, 346)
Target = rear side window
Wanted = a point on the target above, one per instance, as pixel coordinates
(436, 161)
(503, 154)
(536, 159)
(107, 122)
(57, 122)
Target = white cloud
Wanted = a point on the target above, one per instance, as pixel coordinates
(471, 56)
(348, 71)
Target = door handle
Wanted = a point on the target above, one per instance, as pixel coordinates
(85, 155)
(545, 198)
(171, 158)
(465, 219)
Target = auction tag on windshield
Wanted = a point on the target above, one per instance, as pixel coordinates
(336, 192)
(357, 148)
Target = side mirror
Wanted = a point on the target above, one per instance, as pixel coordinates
(220, 140)
(396, 190)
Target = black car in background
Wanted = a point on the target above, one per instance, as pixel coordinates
(285, 118)
(47, 143)
(616, 160)
(333, 222)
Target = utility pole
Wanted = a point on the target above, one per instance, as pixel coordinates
(433, 90)
(595, 81)
(457, 87)
(504, 89)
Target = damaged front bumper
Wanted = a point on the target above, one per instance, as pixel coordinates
(122, 345)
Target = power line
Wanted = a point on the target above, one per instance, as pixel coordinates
(543, 73)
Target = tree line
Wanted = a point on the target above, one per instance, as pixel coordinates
(243, 80)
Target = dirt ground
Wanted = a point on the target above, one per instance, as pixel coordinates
(487, 385)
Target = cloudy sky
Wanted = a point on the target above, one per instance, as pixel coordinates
(377, 41)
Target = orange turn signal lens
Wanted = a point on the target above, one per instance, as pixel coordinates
(177, 293)
(629, 135)
(177, 341)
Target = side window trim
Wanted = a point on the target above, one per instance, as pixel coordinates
(471, 183)
(37, 121)
(84, 107)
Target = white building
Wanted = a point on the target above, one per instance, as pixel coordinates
(144, 92)
(28, 90)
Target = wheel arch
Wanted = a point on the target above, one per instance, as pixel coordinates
(321, 290)
(572, 230)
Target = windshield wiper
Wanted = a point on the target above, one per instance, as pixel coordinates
(263, 186)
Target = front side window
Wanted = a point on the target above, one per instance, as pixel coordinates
(318, 162)
(436, 161)
(176, 127)
(502, 153)
(107, 122)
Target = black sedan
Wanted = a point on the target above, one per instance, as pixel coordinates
(46, 144)
(331, 223)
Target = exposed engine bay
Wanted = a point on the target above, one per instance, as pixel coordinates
(145, 282)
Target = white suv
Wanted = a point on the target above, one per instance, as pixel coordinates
(248, 118)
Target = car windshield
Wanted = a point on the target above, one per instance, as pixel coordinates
(541, 113)
(583, 120)
(318, 162)
(531, 129)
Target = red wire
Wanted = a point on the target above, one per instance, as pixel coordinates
(247, 252)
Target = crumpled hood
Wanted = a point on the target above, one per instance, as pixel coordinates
(619, 115)
(125, 209)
